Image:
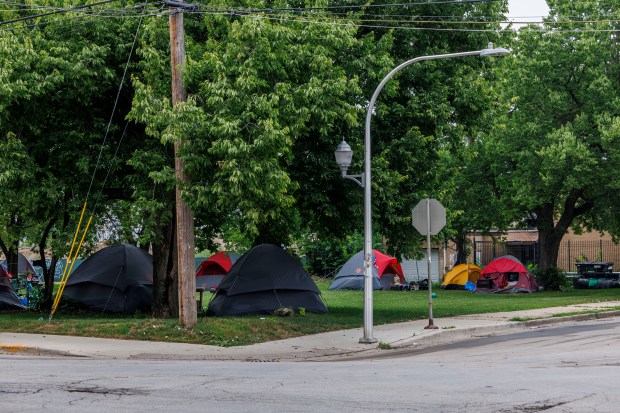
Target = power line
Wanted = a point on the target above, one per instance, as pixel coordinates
(105, 137)
(112, 12)
(370, 6)
(350, 22)
(292, 15)
(19, 19)
(248, 10)
(81, 17)
(218, 9)
(346, 22)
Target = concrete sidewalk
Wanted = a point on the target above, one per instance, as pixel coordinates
(318, 347)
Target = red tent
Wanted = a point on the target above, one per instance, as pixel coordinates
(386, 264)
(212, 270)
(385, 269)
(506, 275)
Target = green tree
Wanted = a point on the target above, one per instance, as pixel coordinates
(58, 86)
(553, 152)
(278, 96)
(268, 102)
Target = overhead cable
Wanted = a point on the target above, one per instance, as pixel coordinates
(67, 10)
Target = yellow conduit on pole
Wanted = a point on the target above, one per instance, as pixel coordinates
(77, 231)
(61, 289)
(71, 260)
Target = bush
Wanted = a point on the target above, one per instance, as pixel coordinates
(552, 279)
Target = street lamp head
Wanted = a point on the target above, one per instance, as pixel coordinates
(344, 154)
(494, 51)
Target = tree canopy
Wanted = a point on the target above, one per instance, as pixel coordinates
(59, 85)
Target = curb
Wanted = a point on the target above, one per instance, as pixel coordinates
(452, 335)
(576, 317)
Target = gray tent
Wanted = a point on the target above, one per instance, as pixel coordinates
(116, 279)
(23, 265)
(384, 269)
(8, 299)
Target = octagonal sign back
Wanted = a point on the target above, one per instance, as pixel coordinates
(420, 216)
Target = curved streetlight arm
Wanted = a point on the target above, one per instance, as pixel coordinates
(368, 316)
(358, 179)
(400, 67)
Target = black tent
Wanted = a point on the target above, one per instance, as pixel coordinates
(8, 299)
(116, 279)
(261, 281)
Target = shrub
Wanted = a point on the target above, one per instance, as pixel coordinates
(552, 278)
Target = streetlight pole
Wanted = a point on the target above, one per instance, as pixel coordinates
(366, 177)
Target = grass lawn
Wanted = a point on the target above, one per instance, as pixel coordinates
(345, 311)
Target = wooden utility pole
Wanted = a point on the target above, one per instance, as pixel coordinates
(184, 215)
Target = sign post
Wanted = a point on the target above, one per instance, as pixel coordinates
(429, 217)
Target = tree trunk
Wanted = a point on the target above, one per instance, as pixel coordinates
(10, 253)
(549, 246)
(11, 249)
(462, 248)
(165, 278)
(48, 277)
(550, 231)
(48, 273)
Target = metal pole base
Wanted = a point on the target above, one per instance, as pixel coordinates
(430, 325)
(367, 340)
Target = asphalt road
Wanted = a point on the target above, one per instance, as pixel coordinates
(566, 368)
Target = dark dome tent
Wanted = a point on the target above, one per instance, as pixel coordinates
(8, 298)
(116, 279)
(212, 271)
(384, 269)
(261, 281)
